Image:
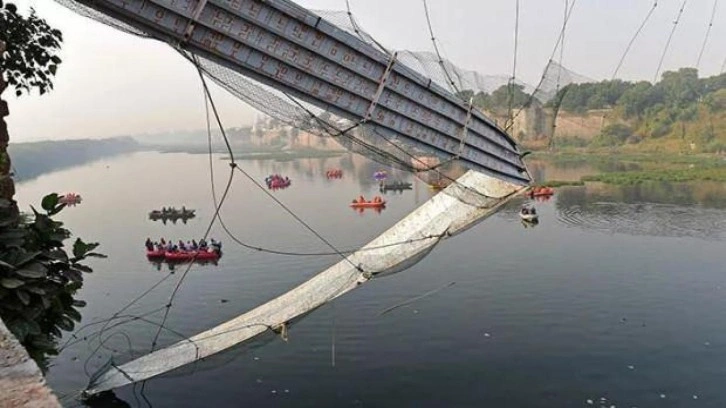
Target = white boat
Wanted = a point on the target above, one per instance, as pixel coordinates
(528, 214)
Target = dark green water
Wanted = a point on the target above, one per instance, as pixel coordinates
(615, 298)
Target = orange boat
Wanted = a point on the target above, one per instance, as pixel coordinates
(361, 202)
(368, 204)
(541, 192)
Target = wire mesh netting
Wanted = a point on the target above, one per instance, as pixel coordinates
(364, 138)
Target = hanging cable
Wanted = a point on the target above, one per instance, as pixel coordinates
(723, 66)
(559, 98)
(635, 37)
(708, 33)
(560, 38)
(562, 49)
(360, 32)
(668, 43)
(233, 165)
(436, 49)
(513, 78)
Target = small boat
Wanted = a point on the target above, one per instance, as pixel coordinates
(528, 214)
(171, 214)
(396, 185)
(70, 199)
(334, 173)
(186, 256)
(380, 175)
(276, 181)
(541, 192)
(361, 202)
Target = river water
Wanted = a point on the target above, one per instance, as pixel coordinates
(617, 297)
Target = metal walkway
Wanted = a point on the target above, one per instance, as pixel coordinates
(291, 49)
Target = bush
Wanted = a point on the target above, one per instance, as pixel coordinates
(38, 278)
(613, 135)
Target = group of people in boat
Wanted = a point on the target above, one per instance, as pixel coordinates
(277, 181)
(70, 199)
(334, 173)
(396, 185)
(168, 246)
(173, 210)
(380, 175)
(362, 200)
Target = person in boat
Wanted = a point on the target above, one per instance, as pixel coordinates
(524, 211)
(182, 246)
(533, 211)
(361, 200)
(149, 245)
(216, 246)
(163, 241)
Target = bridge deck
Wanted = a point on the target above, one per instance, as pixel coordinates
(289, 48)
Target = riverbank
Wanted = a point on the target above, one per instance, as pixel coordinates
(632, 168)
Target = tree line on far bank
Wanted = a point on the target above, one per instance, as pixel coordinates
(680, 105)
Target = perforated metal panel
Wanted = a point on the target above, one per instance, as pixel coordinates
(283, 45)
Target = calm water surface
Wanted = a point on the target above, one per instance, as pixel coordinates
(616, 298)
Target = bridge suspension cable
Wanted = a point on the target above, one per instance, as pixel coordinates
(512, 80)
(670, 38)
(436, 49)
(708, 33)
(559, 41)
(635, 37)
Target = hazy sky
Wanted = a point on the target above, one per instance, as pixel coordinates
(112, 83)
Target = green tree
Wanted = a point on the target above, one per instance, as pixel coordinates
(30, 60)
(681, 87)
(28, 47)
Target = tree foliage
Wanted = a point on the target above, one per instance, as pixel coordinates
(498, 100)
(38, 278)
(30, 60)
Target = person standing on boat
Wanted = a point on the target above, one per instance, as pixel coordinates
(149, 245)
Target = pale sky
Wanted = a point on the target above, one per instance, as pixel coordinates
(112, 83)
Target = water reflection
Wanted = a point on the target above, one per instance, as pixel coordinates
(545, 304)
(574, 169)
(652, 209)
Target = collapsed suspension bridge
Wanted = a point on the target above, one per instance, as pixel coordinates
(294, 65)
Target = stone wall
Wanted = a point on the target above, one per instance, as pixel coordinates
(21, 382)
